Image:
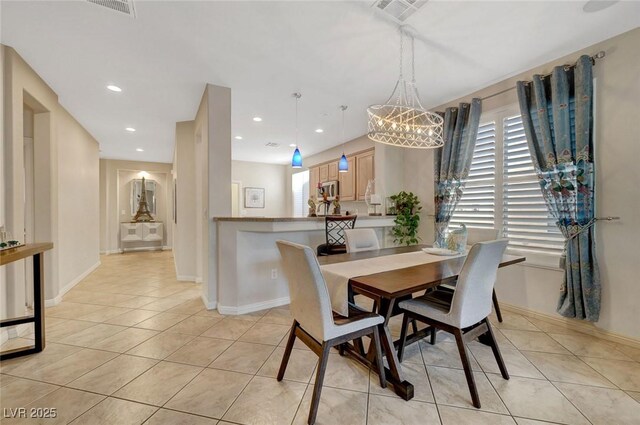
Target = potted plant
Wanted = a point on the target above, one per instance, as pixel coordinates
(405, 230)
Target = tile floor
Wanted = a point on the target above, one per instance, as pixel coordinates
(131, 345)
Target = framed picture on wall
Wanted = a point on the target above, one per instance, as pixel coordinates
(254, 197)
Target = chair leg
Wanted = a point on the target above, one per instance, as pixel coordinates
(467, 368)
(403, 336)
(496, 306)
(317, 388)
(287, 351)
(434, 332)
(496, 351)
(414, 326)
(379, 353)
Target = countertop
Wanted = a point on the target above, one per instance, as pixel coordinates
(285, 219)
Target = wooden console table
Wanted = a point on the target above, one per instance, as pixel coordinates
(36, 251)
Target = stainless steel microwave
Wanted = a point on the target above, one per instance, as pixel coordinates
(330, 188)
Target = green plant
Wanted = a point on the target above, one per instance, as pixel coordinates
(407, 219)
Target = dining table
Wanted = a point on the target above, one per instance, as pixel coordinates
(391, 282)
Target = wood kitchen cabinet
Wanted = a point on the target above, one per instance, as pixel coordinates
(364, 172)
(348, 181)
(314, 178)
(333, 171)
(324, 173)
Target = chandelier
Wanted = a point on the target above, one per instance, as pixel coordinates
(402, 120)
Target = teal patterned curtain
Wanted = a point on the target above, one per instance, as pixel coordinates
(557, 113)
(452, 161)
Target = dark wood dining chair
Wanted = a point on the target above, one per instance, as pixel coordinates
(314, 322)
(335, 241)
(463, 312)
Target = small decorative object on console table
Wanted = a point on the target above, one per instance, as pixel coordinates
(254, 197)
(143, 214)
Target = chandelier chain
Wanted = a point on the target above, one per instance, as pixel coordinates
(401, 50)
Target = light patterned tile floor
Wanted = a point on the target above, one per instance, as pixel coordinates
(131, 345)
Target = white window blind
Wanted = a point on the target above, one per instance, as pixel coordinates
(525, 218)
(476, 208)
(300, 192)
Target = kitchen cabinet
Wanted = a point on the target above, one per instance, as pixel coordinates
(314, 179)
(347, 181)
(324, 173)
(333, 171)
(364, 172)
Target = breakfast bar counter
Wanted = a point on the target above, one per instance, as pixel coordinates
(250, 276)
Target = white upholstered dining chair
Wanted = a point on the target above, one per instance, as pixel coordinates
(358, 240)
(464, 311)
(314, 322)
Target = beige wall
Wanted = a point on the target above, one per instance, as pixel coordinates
(271, 177)
(115, 191)
(617, 151)
(66, 164)
(184, 234)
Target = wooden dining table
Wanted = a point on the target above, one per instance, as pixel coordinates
(387, 289)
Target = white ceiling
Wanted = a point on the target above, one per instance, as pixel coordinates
(334, 53)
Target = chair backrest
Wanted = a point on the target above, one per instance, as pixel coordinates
(472, 298)
(310, 302)
(361, 240)
(334, 229)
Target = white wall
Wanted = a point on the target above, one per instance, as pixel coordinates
(617, 152)
(271, 177)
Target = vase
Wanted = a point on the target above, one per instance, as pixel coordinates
(441, 235)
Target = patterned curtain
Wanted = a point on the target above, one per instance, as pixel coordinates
(557, 113)
(452, 161)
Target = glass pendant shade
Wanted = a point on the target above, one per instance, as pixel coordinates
(343, 165)
(296, 161)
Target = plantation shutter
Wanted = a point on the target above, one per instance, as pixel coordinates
(526, 220)
(476, 208)
(300, 192)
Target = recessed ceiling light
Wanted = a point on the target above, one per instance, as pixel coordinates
(597, 5)
(319, 130)
(238, 137)
(114, 88)
(257, 119)
(130, 129)
(292, 145)
(139, 150)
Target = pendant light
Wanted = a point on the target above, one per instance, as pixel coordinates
(343, 164)
(296, 160)
(402, 120)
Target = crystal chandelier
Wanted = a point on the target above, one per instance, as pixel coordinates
(402, 120)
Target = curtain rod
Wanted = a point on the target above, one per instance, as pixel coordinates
(601, 54)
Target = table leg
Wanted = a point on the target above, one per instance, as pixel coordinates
(38, 304)
(394, 373)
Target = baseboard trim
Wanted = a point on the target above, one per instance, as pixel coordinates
(70, 285)
(187, 278)
(109, 252)
(250, 308)
(143, 248)
(210, 305)
(573, 325)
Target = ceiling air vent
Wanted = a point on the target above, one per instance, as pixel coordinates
(399, 10)
(122, 6)
(272, 145)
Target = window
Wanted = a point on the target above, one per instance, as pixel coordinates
(501, 159)
(525, 217)
(300, 193)
(477, 206)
